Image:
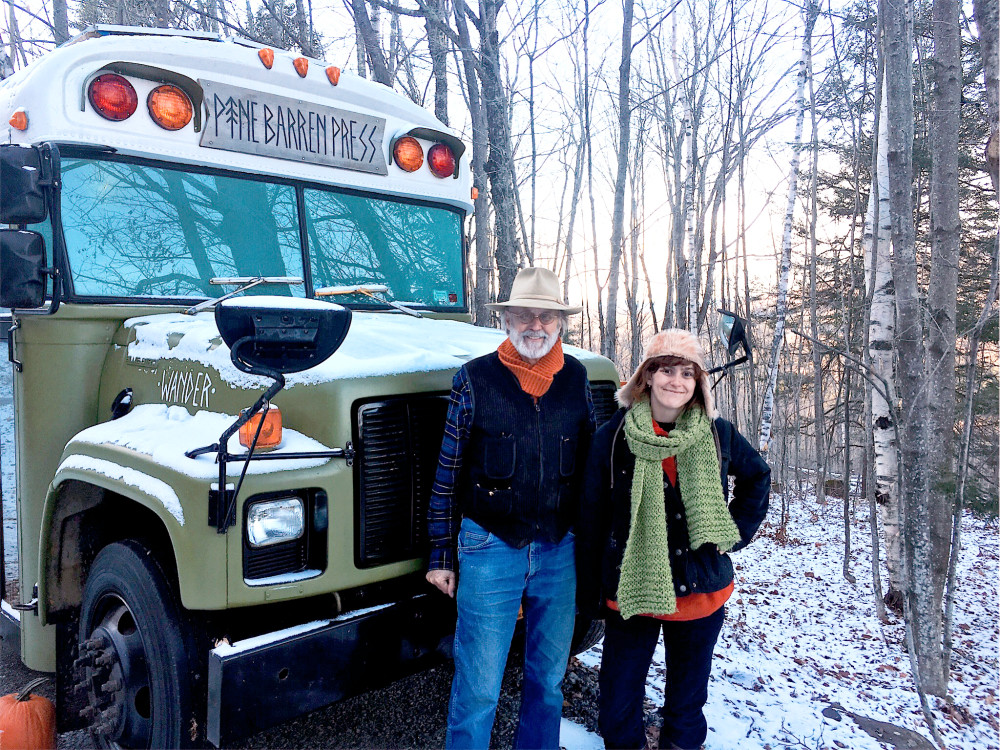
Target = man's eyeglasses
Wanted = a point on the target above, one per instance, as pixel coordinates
(527, 317)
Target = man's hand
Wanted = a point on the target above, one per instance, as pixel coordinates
(444, 580)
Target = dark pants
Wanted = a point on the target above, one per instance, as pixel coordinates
(628, 652)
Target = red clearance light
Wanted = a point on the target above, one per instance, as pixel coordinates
(113, 97)
(169, 107)
(333, 73)
(266, 56)
(19, 120)
(301, 66)
(441, 160)
(408, 153)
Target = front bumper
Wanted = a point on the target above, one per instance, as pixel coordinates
(263, 681)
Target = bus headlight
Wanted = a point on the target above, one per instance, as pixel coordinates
(273, 521)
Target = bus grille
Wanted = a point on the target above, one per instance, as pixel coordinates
(605, 405)
(398, 442)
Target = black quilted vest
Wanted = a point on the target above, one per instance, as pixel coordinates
(522, 465)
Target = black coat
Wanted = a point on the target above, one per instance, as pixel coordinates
(602, 527)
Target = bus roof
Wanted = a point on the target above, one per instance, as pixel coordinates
(324, 125)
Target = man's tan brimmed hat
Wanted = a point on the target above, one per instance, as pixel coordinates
(536, 288)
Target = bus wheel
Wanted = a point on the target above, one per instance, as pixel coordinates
(133, 662)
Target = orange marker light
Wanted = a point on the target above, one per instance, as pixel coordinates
(333, 73)
(441, 160)
(408, 153)
(169, 107)
(475, 192)
(301, 66)
(270, 433)
(19, 120)
(266, 56)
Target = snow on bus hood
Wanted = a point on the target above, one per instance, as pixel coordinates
(164, 433)
(377, 344)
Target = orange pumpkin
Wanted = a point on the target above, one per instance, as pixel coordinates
(27, 722)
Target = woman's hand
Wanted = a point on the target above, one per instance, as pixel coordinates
(443, 580)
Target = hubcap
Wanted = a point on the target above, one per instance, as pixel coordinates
(114, 676)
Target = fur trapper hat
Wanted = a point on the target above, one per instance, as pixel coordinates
(678, 343)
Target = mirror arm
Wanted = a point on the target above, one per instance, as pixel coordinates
(50, 163)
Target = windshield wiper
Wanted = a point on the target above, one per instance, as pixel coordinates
(369, 290)
(245, 282)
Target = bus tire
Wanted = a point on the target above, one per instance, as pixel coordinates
(134, 662)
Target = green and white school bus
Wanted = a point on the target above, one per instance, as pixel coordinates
(185, 587)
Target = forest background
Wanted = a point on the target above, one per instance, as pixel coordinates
(827, 172)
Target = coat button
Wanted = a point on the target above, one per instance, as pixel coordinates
(694, 584)
(678, 516)
(678, 552)
(682, 588)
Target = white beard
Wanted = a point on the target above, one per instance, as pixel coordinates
(533, 344)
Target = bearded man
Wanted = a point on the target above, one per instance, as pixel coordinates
(506, 490)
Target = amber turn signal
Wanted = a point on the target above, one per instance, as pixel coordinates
(19, 120)
(333, 73)
(301, 66)
(408, 153)
(270, 433)
(169, 107)
(475, 192)
(266, 56)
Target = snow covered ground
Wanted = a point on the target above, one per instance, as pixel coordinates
(799, 638)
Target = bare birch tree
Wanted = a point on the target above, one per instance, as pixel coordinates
(810, 12)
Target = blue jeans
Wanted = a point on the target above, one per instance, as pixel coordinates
(628, 652)
(493, 577)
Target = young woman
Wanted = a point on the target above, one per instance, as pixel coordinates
(657, 523)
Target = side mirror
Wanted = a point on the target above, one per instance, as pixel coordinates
(269, 334)
(733, 330)
(22, 198)
(22, 269)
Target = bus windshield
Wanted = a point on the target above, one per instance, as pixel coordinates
(139, 231)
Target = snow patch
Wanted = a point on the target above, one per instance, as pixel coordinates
(249, 644)
(151, 486)
(283, 578)
(164, 433)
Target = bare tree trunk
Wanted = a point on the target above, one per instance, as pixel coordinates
(437, 48)
(988, 22)
(881, 330)
(942, 310)
(608, 336)
(499, 163)
(811, 11)
(60, 21)
(923, 622)
(484, 260)
(819, 405)
(366, 32)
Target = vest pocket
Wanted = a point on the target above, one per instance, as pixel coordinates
(491, 502)
(499, 455)
(567, 456)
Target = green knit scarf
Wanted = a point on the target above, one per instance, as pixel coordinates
(646, 585)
